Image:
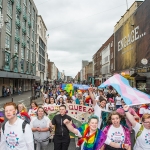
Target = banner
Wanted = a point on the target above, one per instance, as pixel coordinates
(130, 95)
(80, 113)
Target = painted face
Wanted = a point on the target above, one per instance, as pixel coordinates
(10, 112)
(62, 110)
(93, 124)
(146, 123)
(40, 112)
(115, 119)
(103, 104)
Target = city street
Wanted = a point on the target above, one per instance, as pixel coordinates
(25, 98)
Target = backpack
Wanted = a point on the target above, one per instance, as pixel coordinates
(23, 126)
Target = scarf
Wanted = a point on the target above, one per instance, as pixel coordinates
(92, 142)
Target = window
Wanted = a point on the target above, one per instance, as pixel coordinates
(18, 2)
(23, 38)
(112, 44)
(31, 57)
(22, 65)
(22, 52)
(112, 66)
(33, 35)
(27, 54)
(27, 64)
(16, 64)
(29, 17)
(8, 25)
(9, 7)
(1, 2)
(28, 43)
(7, 42)
(25, 2)
(29, 7)
(23, 24)
(16, 47)
(32, 46)
(28, 31)
(112, 55)
(24, 9)
(17, 31)
(7, 59)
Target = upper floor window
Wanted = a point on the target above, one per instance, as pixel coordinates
(9, 7)
(8, 24)
(7, 42)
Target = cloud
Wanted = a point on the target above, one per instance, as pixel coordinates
(78, 28)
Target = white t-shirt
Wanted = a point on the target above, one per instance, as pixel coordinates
(97, 98)
(143, 141)
(146, 111)
(142, 110)
(109, 106)
(115, 135)
(14, 138)
(118, 100)
(64, 97)
(43, 123)
(97, 112)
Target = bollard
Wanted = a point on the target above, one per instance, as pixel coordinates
(12, 99)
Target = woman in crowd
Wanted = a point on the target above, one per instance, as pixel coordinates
(60, 101)
(79, 97)
(69, 100)
(22, 112)
(40, 128)
(116, 133)
(91, 138)
(46, 102)
(52, 101)
(142, 131)
(131, 111)
(98, 108)
(32, 111)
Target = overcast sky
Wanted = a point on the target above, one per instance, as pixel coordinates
(78, 28)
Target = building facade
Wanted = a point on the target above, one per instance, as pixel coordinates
(41, 51)
(132, 45)
(18, 45)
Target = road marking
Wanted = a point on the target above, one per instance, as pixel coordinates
(21, 101)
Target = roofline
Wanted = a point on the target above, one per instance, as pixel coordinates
(43, 21)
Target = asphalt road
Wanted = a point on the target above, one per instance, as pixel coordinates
(25, 98)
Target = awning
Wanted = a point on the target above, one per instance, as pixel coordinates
(6, 74)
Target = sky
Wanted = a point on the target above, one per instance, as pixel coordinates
(78, 28)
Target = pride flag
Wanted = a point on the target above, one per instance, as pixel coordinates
(130, 95)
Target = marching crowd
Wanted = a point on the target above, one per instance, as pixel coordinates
(31, 129)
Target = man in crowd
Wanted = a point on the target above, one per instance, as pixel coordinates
(61, 137)
(12, 134)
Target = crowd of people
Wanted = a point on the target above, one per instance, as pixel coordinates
(31, 129)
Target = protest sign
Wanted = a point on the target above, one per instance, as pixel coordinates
(80, 113)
